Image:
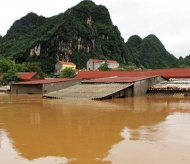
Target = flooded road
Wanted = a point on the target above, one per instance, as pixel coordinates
(151, 130)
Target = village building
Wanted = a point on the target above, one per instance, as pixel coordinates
(171, 87)
(60, 65)
(94, 64)
(110, 87)
(24, 76)
(29, 76)
(115, 84)
(166, 73)
(92, 85)
(43, 86)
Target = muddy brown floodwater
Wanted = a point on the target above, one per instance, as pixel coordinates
(148, 130)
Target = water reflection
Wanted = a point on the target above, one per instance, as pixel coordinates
(168, 144)
(84, 131)
(9, 155)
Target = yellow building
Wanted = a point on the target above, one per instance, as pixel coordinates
(60, 65)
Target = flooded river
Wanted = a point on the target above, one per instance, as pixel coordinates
(148, 130)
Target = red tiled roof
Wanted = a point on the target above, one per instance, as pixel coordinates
(166, 73)
(112, 61)
(46, 81)
(66, 63)
(26, 75)
(99, 61)
(170, 73)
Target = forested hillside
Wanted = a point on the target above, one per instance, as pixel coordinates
(150, 52)
(82, 32)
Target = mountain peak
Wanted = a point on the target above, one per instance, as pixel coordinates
(25, 24)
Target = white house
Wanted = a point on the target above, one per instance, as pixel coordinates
(94, 64)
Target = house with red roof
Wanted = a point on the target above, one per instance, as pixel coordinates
(109, 87)
(94, 64)
(43, 86)
(60, 65)
(29, 76)
(24, 76)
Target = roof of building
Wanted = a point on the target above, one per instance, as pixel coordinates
(99, 61)
(46, 81)
(88, 91)
(66, 63)
(116, 79)
(166, 73)
(26, 75)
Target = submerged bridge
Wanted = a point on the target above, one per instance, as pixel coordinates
(92, 91)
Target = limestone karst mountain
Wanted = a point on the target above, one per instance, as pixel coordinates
(82, 32)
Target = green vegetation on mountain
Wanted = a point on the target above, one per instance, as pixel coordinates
(184, 62)
(133, 46)
(82, 32)
(150, 53)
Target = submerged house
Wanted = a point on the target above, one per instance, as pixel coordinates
(60, 65)
(91, 85)
(94, 64)
(115, 84)
(28, 76)
(24, 76)
(42, 86)
(171, 87)
(110, 87)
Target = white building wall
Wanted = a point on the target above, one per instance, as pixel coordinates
(97, 65)
(94, 66)
(113, 65)
(58, 67)
(89, 65)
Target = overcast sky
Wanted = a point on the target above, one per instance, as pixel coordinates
(169, 20)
